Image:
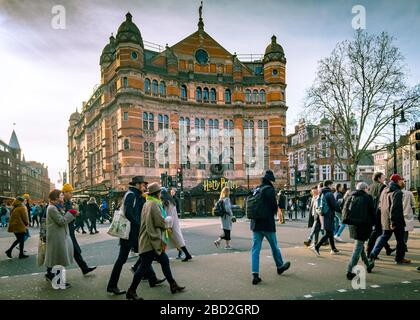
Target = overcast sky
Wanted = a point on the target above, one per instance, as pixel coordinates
(46, 73)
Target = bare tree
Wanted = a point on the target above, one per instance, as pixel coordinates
(357, 87)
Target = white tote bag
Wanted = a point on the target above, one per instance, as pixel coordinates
(120, 225)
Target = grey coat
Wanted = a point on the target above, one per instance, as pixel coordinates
(227, 218)
(59, 248)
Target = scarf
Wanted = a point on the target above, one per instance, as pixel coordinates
(165, 237)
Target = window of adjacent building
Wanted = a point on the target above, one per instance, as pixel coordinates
(125, 117)
(228, 96)
(339, 174)
(266, 158)
(255, 96)
(148, 121)
(198, 94)
(184, 92)
(149, 155)
(206, 94)
(325, 172)
(147, 86)
(155, 87)
(125, 82)
(162, 89)
(213, 95)
(248, 95)
(262, 96)
(126, 144)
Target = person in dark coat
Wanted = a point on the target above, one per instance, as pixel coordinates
(362, 203)
(392, 219)
(282, 207)
(133, 202)
(80, 223)
(333, 207)
(266, 228)
(68, 194)
(375, 191)
(92, 212)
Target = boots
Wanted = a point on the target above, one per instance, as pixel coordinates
(176, 288)
(132, 295)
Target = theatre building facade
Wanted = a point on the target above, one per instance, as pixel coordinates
(195, 87)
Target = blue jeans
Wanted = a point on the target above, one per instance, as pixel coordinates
(316, 228)
(340, 229)
(257, 239)
(358, 251)
(383, 240)
(3, 220)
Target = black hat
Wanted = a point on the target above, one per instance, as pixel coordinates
(269, 175)
(138, 179)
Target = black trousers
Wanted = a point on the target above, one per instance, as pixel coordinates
(145, 265)
(35, 219)
(92, 224)
(20, 240)
(329, 235)
(125, 248)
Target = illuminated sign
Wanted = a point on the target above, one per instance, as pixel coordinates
(218, 185)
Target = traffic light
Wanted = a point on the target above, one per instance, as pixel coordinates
(169, 181)
(163, 179)
(417, 127)
(179, 177)
(298, 177)
(311, 172)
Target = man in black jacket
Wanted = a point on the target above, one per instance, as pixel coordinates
(133, 204)
(68, 194)
(266, 227)
(392, 218)
(375, 190)
(362, 208)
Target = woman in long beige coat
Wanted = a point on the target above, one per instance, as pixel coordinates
(59, 247)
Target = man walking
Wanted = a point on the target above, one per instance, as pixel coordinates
(359, 209)
(375, 191)
(392, 218)
(68, 194)
(133, 202)
(329, 206)
(266, 227)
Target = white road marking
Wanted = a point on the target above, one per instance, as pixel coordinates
(5, 277)
(307, 296)
(268, 257)
(312, 264)
(375, 286)
(342, 290)
(215, 254)
(406, 282)
(34, 274)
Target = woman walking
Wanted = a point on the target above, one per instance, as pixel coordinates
(92, 211)
(226, 219)
(18, 224)
(59, 247)
(152, 242)
(176, 240)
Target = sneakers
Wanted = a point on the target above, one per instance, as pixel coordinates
(307, 243)
(283, 268)
(403, 261)
(338, 239)
(228, 248)
(316, 251)
(350, 275)
(334, 252)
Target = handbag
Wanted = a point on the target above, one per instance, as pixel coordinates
(120, 226)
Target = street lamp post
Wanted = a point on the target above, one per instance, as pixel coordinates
(402, 120)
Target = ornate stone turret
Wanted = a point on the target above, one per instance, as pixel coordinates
(129, 32)
(200, 20)
(274, 52)
(171, 60)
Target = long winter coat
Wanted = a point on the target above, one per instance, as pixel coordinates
(269, 207)
(226, 219)
(394, 214)
(333, 207)
(59, 248)
(18, 218)
(92, 211)
(176, 240)
(363, 203)
(151, 229)
(409, 203)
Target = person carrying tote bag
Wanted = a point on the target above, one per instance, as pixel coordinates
(120, 225)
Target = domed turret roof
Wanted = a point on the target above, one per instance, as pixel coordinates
(129, 32)
(75, 116)
(324, 121)
(108, 52)
(274, 51)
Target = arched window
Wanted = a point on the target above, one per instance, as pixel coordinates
(265, 125)
(125, 82)
(126, 144)
(198, 94)
(228, 96)
(155, 87)
(260, 124)
(206, 94)
(145, 121)
(251, 124)
(225, 124)
(262, 96)
(160, 122)
(213, 95)
(146, 155)
(216, 124)
(211, 123)
(151, 121)
(162, 89)
(255, 96)
(231, 124)
(147, 86)
(248, 95)
(187, 121)
(184, 92)
(202, 124)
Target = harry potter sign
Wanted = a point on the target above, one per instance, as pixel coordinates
(218, 184)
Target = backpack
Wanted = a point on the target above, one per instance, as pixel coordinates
(353, 213)
(219, 208)
(254, 204)
(322, 205)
